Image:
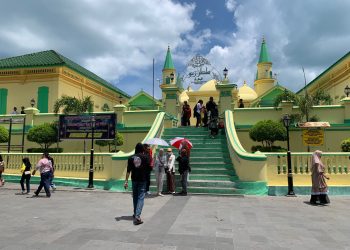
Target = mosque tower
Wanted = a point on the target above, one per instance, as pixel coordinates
(264, 78)
(169, 70)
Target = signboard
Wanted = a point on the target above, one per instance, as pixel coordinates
(80, 126)
(313, 137)
(12, 120)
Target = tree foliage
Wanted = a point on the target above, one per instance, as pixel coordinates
(305, 102)
(267, 132)
(118, 141)
(4, 135)
(345, 145)
(45, 135)
(73, 105)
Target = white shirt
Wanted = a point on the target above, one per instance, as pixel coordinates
(171, 163)
(199, 107)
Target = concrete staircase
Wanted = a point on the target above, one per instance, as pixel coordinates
(212, 170)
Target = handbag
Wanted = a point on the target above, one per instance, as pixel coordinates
(27, 172)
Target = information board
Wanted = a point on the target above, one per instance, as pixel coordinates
(80, 126)
(313, 137)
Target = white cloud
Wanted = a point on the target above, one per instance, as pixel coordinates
(209, 14)
(231, 5)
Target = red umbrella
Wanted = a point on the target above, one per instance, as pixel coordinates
(178, 141)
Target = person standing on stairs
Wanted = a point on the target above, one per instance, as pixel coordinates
(197, 113)
(184, 169)
(159, 166)
(170, 171)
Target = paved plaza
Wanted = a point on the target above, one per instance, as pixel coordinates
(79, 219)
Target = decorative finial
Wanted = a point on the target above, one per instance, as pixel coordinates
(263, 39)
(244, 83)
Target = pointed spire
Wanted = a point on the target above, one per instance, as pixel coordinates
(264, 56)
(168, 64)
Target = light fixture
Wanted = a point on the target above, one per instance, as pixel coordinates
(32, 102)
(172, 76)
(225, 71)
(347, 90)
(120, 99)
(286, 120)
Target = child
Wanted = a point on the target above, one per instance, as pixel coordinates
(26, 166)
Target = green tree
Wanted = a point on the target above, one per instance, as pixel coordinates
(45, 135)
(305, 102)
(345, 145)
(267, 132)
(73, 105)
(4, 135)
(118, 141)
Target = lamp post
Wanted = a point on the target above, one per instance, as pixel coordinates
(91, 170)
(225, 71)
(347, 90)
(172, 76)
(286, 123)
(32, 102)
(120, 99)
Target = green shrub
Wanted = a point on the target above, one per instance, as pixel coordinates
(118, 141)
(4, 135)
(268, 149)
(42, 150)
(45, 135)
(345, 145)
(267, 132)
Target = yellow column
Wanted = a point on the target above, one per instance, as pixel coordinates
(119, 110)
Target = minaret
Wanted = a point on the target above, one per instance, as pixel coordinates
(170, 90)
(169, 70)
(264, 79)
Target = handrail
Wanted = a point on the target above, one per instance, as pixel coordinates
(156, 126)
(235, 143)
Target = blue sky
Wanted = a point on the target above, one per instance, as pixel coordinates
(118, 44)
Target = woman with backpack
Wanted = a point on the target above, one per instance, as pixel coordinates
(26, 166)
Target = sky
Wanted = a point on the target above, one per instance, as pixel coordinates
(118, 39)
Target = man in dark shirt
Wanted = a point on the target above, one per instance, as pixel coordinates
(210, 106)
(138, 165)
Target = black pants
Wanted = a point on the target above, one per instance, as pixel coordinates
(44, 182)
(198, 117)
(25, 177)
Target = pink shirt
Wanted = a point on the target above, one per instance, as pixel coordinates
(44, 165)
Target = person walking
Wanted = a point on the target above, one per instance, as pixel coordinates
(45, 168)
(210, 105)
(2, 169)
(26, 166)
(148, 152)
(186, 114)
(52, 184)
(184, 169)
(319, 191)
(159, 166)
(138, 165)
(197, 113)
(170, 171)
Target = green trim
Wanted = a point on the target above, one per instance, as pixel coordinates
(225, 94)
(305, 190)
(3, 101)
(328, 107)
(133, 129)
(43, 99)
(347, 121)
(256, 108)
(324, 72)
(51, 58)
(234, 142)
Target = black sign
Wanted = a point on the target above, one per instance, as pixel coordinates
(82, 126)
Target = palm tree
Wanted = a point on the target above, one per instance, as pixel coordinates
(304, 102)
(73, 105)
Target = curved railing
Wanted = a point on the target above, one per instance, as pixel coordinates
(248, 166)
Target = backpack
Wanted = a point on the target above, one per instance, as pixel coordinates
(194, 110)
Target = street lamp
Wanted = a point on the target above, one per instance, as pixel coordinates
(91, 170)
(172, 76)
(347, 90)
(286, 123)
(225, 71)
(32, 102)
(120, 99)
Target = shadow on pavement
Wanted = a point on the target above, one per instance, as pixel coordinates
(124, 218)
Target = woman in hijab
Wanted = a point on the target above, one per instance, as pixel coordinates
(159, 167)
(319, 191)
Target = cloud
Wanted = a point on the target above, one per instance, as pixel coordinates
(112, 38)
(298, 33)
(209, 14)
(231, 5)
